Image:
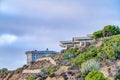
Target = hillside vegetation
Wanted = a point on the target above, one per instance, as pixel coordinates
(97, 61)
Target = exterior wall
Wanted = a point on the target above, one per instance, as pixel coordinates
(35, 56)
(69, 46)
(66, 46)
(29, 58)
(82, 43)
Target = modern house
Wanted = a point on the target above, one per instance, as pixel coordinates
(32, 56)
(77, 42)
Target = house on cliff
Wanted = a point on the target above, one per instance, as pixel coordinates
(32, 56)
(77, 42)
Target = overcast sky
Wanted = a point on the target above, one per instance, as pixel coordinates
(39, 24)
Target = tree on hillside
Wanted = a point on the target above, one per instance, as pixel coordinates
(98, 34)
(108, 30)
(111, 30)
(3, 70)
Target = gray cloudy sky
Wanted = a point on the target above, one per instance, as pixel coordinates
(40, 24)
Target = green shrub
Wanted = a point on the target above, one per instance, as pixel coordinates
(52, 75)
(62, 74)
(110, 52)
(95, 75)
(72, 50)
(117, 76)
(79, 50)
(70, 53)
(66, 56)
(51, 70)
(101, 56)
(90, 53)
(110, 48)
(89, 66)
(31, 78)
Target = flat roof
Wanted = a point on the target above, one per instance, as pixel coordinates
(65, 42)
(82, 38)
(42, 52)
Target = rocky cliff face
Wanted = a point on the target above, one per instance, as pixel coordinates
(26, 71)
(31, 70)
(12, 75)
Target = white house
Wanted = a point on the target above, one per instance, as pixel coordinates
(77, 42)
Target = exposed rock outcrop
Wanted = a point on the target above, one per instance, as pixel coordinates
(26, 72)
